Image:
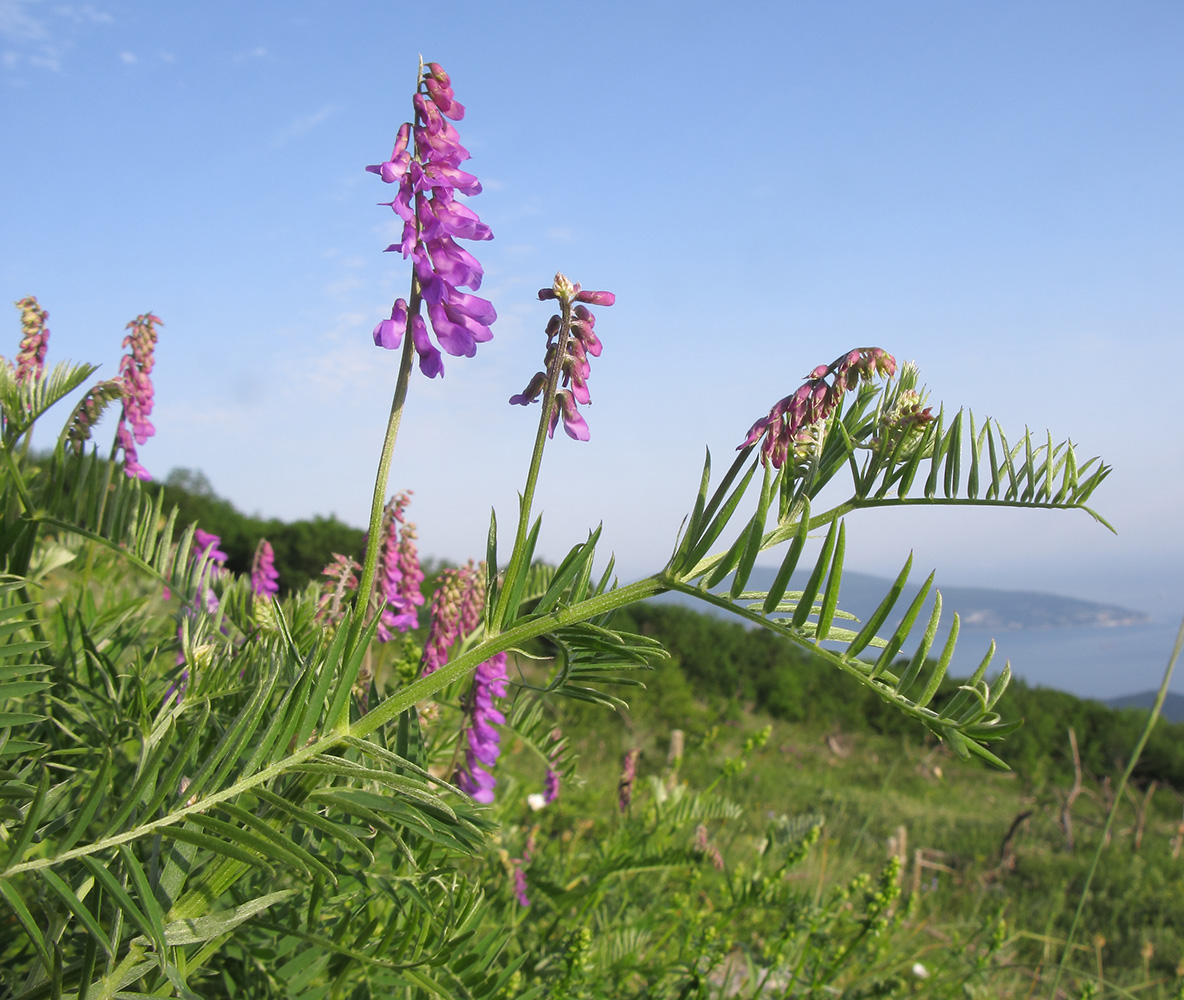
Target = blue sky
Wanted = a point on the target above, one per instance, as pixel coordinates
(993, 190)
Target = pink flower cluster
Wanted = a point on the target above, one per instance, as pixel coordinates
(400, 574)
(341, 578)
(88, 412)
(30, 361)
(792, 420)
(627, 779)
(206, 546)
(456, 611)
(574, 364)
(428, 174)
(135, 369)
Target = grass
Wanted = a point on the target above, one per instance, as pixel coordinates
(948, 820)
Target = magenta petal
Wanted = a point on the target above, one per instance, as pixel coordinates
(454, 337)
(430, 362)
(455, 264)
(388, 334)
(596, 298)
(472, 306)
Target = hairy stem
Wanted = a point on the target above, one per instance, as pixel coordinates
(526, 502)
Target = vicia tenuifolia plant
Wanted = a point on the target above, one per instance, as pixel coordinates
(206, 780)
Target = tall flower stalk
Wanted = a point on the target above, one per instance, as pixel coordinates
(570, 339)
(425, 164)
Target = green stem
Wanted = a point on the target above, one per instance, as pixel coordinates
(378, 503)
(22, 491)
(526, 500)
(1104, 836)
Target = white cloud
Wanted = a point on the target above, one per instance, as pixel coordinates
(258, 52)
(32, 40)
(128, 58)
(17, 24)
(300, 127)
(86, 14)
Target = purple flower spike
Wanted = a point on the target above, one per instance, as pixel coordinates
(792, 424)
(580, 341)
(30, 361)
(264, 576)
(135, 371)
(484, 742)
(425, 163)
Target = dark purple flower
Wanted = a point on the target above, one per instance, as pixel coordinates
(484, 742)
(135, 369)
(425, 163)
(30, 361)
(792, 422)
(264, 576)
(581, 341)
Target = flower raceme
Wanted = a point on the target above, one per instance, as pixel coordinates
(135, 370)
(793, 420)
(475, 776)
(571, 337)
(425, 164)
(30, 361)
(265, 578)
(400, 574)
(456, 610)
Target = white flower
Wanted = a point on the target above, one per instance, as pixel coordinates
(920, 971)
(536, 801)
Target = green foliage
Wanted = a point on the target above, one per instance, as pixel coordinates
(205, 792)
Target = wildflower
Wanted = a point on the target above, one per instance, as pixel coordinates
(568, 349)
(86, 414)
(425, 164)
(400, 576)
(341, 577)
(456, 610)
(30, 362)
(205, 547)
(264, 576)
(551, 781)
(520, 886)
(628, 776)
(519, 865)
(484, 742)
(795, 421)
(135, 369)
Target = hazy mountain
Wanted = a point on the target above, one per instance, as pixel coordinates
(1173, 705)
(980, 609)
